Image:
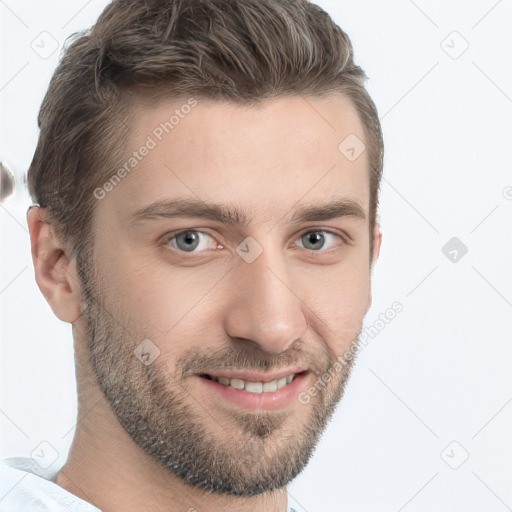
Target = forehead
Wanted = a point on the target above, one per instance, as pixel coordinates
(265, 158)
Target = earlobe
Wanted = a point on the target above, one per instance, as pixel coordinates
(54, 271)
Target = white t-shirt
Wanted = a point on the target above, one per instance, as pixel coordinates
(27, 487)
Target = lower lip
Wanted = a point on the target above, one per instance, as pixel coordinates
(280, 399)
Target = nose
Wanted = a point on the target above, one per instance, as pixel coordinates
(265, 310)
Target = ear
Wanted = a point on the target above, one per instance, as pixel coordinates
(377, 241)
(55, 273)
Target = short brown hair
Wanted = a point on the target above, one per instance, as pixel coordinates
(242, 51)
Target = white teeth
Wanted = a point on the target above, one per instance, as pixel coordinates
(268, 387)
(255, 387)
(237, 383)
(281, 383)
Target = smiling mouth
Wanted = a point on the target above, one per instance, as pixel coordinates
(252, 386)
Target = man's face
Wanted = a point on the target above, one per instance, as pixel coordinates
(184, 310)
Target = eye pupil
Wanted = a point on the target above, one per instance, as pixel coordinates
(188, 237)
(315, 237)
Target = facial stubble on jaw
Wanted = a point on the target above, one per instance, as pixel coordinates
(238, 454)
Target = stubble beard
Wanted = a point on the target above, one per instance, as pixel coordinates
(238, 453)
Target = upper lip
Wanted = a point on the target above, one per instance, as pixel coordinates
(255, 376)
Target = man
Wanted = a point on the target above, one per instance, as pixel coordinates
(206, 185)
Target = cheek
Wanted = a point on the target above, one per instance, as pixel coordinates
(173, 305)
(339, 304)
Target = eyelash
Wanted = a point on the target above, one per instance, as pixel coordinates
(170, 236)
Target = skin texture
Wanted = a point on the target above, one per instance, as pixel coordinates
(148, 435)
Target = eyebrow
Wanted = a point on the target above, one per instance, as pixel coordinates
(233, 215)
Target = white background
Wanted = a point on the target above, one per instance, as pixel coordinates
(441, 370)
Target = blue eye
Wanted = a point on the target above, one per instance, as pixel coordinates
(190, 240)
(316, 240)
